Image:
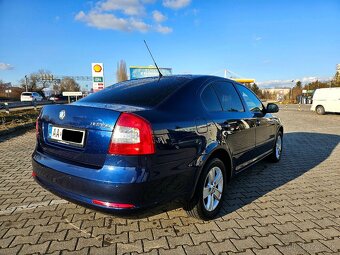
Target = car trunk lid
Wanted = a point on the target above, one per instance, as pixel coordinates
(85, 132)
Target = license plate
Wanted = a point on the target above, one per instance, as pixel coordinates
(56, 133)
(66, 135)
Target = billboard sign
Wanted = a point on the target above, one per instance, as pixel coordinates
(137, 72)
(97, 76)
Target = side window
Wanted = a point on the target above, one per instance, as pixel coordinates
(210, 100)
(253, 103)
(228, 96)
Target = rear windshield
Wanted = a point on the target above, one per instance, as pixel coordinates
(27, 94)
(147, 92)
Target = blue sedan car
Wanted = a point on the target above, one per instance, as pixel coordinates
(140, 143)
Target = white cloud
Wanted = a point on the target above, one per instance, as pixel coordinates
(158, 16)
(110, 21)
(258, 38)
(124, 15)
(128, 7)
(139, 25)
(163, 29)
(103, 21)
(176, 4)
(4, 66)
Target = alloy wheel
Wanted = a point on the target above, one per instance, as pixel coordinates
(213, 188)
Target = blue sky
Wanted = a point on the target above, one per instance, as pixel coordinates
(272, 41)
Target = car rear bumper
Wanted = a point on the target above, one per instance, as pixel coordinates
(144, 193)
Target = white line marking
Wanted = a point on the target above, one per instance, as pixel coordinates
(33, 206)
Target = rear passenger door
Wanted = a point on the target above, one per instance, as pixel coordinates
(235, 129)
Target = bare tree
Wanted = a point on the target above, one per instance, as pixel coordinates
(121, 73)
(37, 81)
(69, 84)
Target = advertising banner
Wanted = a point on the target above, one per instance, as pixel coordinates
(147, 71)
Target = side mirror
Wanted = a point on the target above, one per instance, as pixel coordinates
(272, 108)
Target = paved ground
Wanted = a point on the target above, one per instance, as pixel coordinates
(292, 207)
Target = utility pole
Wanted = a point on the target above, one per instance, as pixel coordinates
(26, 82)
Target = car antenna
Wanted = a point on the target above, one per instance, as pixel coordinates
(159, 72)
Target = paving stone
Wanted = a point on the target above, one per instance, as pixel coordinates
(35, 248)
(289, 238)
(291, 249)
(89, 242)
(11, 251)
(223, 246)
(136, 246)
(243, 244)
(203, 237)
(333, 244)
(180, 230)
(245, 232)
(202, 249)
(211, 225)
(266, 241)
(119, 238)
(63, 245)
(5, 242)
(314, 247)
(310, 235)
(108, 250)
(140, 235)
(225, 234)
(177, 251)
(155, 244)
(57, 236)
(179, 240)
(25, 240)
(157, 233)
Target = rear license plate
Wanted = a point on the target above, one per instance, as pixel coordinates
(66, 135)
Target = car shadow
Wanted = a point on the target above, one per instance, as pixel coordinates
(302, 152)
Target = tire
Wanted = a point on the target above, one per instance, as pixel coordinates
(320, 110)
(276, 154)
(207, 202)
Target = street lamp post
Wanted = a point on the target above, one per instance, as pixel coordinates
(26, 82)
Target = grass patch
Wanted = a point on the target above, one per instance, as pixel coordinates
(17, 118)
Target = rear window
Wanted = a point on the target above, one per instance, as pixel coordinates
(26, 94)
(147, 92)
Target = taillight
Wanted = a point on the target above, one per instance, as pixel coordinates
(132, 135)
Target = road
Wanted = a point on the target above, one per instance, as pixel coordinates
(292, 207)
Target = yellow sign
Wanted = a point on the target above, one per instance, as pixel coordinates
(244, 80)
(97, 68)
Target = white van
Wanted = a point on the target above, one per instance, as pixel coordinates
(326, 100)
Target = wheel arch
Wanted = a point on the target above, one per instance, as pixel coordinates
(221, 154)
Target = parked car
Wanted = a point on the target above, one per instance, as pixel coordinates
(143, 142)
(326, 100)
(57, 98)
(30, 97)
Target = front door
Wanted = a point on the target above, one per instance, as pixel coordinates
(265, 127)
